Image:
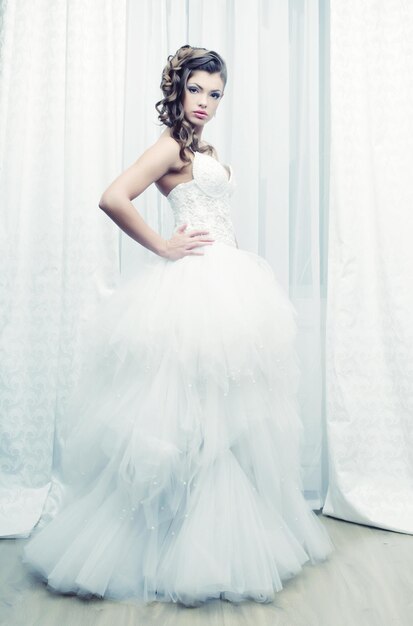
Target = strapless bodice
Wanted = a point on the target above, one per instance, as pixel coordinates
(204, 202)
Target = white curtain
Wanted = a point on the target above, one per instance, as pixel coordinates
(308, 105)
(370, 295)
(78, 84)
(268, 128)
(61, 116)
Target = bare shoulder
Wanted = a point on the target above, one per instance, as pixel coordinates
(168, 146)
(166, 149)
(157, 161)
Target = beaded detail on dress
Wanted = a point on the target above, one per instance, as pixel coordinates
(204, 201)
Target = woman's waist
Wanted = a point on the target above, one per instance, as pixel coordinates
(222, 231)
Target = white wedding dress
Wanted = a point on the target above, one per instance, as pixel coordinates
(181, 459)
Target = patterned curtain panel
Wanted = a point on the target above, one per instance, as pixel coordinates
(61, 123)
(370, 295)
(72, 115)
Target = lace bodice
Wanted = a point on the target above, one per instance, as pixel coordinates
(204, 201)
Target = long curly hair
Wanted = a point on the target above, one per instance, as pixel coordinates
(175, 75)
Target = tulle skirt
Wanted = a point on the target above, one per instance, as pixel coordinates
(181, 454)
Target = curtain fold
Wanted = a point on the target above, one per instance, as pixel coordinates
(78, 85)
(61, 115)
(306, 22)
(370, 302)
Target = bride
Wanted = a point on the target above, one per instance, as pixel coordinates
(180, 464)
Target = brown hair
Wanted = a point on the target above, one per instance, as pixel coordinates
(175, 75)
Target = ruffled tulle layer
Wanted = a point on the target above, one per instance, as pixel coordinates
(181, 448)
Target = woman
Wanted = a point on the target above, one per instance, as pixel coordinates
(180, 464)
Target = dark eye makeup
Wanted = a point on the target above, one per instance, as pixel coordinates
(214, 94)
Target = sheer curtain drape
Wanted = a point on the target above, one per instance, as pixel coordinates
(78, 84)
(308, 126)
(61, 114)
(268, 127)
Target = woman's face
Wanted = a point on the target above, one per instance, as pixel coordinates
(203, 93)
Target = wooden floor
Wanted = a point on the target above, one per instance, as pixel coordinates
(368, 581)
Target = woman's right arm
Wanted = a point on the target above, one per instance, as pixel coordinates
(116, 202)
